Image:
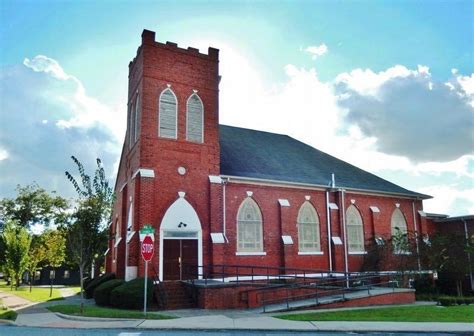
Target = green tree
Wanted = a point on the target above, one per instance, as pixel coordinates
(36, 255)
(448, 255)
(55, 243)
(17, 244)
(87, 235)
(33, 205)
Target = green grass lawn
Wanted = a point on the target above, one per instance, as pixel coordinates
(38, 294)
(402, 314)
(75, 289)
(95, 311)
(8, 315)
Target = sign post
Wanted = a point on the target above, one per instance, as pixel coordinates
(147, 237)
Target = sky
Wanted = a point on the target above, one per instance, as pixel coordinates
(385, 85)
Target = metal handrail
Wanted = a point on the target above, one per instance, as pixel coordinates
(161, 290)
(293, 278)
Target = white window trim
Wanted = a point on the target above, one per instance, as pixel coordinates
(202, 119)
(250, 253)
(402, 253)
(250, 199)
(361, 227)
(130, 236)
(316, 224)
(137, 108)
(118, 242)
(311, 253)
(130, 123)
(176, 114)
(357, 253)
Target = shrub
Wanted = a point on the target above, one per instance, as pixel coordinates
(469, 300)
(426, 297)
(86, 281)
(96, 282)
(130, 294)
(447, 301)
(102, 292)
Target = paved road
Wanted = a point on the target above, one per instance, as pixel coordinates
(23, 331)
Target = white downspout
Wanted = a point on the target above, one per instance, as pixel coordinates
(416, 236)
(328, 214)
(224, 182)
(346, 261)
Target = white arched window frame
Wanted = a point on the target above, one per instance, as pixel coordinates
(355, 230)
(194, 119)
(130, 231)
(399, 232)
(309, 239)
(118, 239)
(168, 115)
(131, 125)
(249, 228)
(137, 119)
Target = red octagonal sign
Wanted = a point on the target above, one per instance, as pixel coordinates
(147, 248)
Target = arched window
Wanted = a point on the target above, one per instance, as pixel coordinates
(399, 232)
(355, 230)
(249, 227)
(308, 229)
(131, 124)
(168, 115)
(137, 119)
(194, 119)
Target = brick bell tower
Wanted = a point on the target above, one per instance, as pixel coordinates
(171, 149)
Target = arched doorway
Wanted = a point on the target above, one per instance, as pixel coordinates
(180, 242)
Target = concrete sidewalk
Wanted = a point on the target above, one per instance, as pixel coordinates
(232, 320)
(36, 315)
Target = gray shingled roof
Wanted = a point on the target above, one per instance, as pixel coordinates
(262, 155)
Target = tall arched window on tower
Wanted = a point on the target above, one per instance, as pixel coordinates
(167, 124)
(308, 229)
(249, 227)
(399, 232)
(194, 119)
(131, 124)
(137, 118)
(355, 230)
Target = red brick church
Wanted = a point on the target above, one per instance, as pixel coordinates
(224, 195)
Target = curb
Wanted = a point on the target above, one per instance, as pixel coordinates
(97, 319)
(9, 322)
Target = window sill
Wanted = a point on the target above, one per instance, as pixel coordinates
(250, 253)
(358, 253)
(311, 253)
(402, 253)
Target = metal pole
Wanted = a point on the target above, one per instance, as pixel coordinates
(146, 283)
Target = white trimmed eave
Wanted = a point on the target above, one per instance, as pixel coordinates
(309, 186)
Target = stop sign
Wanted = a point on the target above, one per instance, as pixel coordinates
(147, 248)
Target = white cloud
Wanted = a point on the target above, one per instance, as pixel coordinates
(41, 63)
(86, 109)
(59, 119)
(407, 112)
(3, 154)
(317, 51)
(446, 200)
